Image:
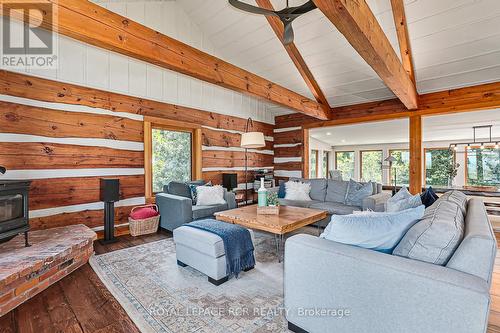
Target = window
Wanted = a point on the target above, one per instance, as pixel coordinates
(401, 167)
(171, 157)
(483, 167)
(344, 162)
(371, 165)
(326, 163)
(437, 165)
(172, 151)
(314, 164)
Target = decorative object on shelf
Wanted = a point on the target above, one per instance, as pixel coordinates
(110, 193)
(144, 220)
(391, 159)
(250, 140)
(483, 143)
(286, 15)
(262, 194)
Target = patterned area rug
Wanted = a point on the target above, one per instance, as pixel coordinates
(160, 296)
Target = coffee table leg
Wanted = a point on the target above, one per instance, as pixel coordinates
(280, 248)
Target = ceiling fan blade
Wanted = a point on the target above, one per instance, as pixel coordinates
(249, 8)
(287, 33)
(302, 9)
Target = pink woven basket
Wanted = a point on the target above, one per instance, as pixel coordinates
(144, 226)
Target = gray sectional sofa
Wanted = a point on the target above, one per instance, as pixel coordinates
(329, 195)
(380, 292)
(176, 205)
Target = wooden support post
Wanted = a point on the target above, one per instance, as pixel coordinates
(415, 154)
(305, 154)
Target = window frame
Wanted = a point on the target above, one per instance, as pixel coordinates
(353, 160)
(424, 169)
(361, 162)
(151, 123)
(466, 164)
(327, 171)
(390, 169)
(314, 152)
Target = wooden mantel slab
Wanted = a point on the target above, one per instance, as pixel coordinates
(53, 254)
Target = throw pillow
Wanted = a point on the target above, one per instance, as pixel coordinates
(282, 190)
(143, 213)
(436, 237)
(193, 186)
(210, 195)
(356, 192)
(403, 200)
(428, 197)
(297, 191)
(376, 231)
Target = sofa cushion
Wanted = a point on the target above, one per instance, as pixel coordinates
(179, 188)
(200, 212)
(297, 190)
(376, 231)
(297, 203)
(403, 200)
(318, 188)
(336, 191)
(436, 237)
(456, 197)
(356, 192)
(334, 208)
(205, 242)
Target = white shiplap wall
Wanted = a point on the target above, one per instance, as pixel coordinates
(90, 66)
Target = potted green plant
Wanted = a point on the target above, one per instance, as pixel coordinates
(452, 172)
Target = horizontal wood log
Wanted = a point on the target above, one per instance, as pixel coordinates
(229, 159)
(93, 24)
(294, 120)
(26, 86)
(288, 151)
(288, 137)
(289, 166)
(91, 218)
(24, 119)
(34, 155)
(57, 192)
(226, 139)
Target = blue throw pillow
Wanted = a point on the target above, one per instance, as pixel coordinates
(356, 192)
(428, 197)
(402, 200)
(377, 231)
(282, 190)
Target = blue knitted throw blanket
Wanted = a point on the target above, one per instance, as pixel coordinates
(238, 244)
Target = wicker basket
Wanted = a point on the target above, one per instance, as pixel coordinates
(144, 226)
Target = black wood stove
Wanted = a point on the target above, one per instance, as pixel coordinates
(14, 211)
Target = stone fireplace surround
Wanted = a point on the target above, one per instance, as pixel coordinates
(55, 253)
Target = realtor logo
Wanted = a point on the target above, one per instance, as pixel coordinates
(25, 44)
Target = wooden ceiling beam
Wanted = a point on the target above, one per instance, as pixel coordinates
(398, 12)
(356, 22)
(95, 25)
(295, 55)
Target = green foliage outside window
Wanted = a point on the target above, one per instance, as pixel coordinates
(483, 167)
(401, 166)
(326, 164)
(313, 164)
(344, 161)
(437, 166)
(171, 157)
(371, 162)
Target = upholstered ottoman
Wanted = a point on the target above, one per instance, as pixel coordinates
(203, 251)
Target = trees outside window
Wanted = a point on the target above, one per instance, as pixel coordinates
(313, 164)
(344, 162)
(171, 157)
(401, 166)
(326, 163)
(437, 166)
(483, 167)
(371, 165)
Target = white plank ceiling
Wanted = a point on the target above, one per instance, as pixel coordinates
(455, 43)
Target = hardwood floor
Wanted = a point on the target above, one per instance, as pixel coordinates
(80, 303)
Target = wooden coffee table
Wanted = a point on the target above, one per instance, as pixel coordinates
(288, 220)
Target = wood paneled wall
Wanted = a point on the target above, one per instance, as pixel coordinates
(65, 137)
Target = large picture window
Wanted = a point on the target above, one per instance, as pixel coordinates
(483, 167)
(437, 166)
(172, 151)
(326, 164)
(313, 164)
(400, 171)
(344, 162)
(172, 157)
(371, 165)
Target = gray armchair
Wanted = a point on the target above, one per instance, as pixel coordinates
(176, 206)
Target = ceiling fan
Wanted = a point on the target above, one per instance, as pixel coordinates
(286, 15)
